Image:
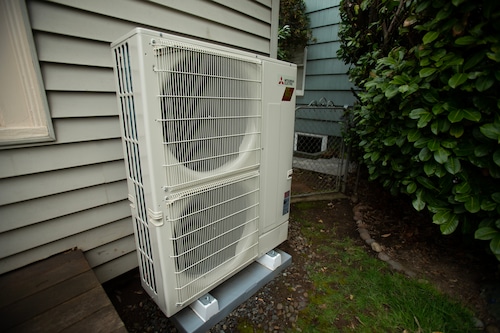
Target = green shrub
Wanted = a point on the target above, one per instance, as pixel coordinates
(428, 118)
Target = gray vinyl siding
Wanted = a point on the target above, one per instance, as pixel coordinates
(73, 192)
(326, 75)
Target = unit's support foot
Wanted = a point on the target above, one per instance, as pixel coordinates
(205, 307)
(270, 260)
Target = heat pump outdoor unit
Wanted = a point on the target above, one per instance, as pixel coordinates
(207, 135)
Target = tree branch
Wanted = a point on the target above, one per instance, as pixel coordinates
(395, 18)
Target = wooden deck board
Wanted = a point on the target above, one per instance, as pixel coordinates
(59, 294)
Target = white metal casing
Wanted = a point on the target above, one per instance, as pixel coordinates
(207, 137)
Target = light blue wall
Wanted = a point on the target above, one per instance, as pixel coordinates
(325, 74)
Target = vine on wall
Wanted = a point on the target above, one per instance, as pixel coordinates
(294, 33)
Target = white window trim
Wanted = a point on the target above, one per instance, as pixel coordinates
(32, 108)
(300, 90)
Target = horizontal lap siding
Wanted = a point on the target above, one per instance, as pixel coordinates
(326, 75)
(73, 192)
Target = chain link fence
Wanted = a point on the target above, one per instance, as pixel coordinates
(321, 158)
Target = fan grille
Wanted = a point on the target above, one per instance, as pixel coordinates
(215, 231)
(210, 112)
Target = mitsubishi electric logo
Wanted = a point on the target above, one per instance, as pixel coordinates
(286, 81)
(289, 85)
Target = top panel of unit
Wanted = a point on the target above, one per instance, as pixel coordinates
(161, 37)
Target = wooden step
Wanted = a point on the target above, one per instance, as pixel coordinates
(58, 294)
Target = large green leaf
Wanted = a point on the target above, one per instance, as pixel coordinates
(452, 165)
(496, 197)
(442, 14)
(457, 130)
(427, 183)
(488, 205)
(461, 197)
(463, 187)
(430, 168)
(411, 187)
(435, 127)
(437, 108)
(481, 150)
(449, 143)
(455, 116)
(438, 54)
(424, 120)
(486, 233)
(441, 155)
(465, 40)
(431, 96)
(457, 79)
(423, 5)
(440, 126)
(390, 141)
(433, 144)
(430, 37)
(427, 71)
(417, 113)
(495, 245)
(472, 204)
(491, 131)
(495, 55)
(442, 216)
(397, 166)
(404, 88)
(418, 203)
(391, 91)
(424, 154)
(440, 171)
(399, 80)
(484, 83)
(472, 115)
(449, 226)
(414, 135)
(496, 157)
(421, 143)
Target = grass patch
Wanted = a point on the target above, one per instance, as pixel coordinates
(354, 292)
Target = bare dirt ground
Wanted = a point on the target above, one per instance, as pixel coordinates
(455, 266)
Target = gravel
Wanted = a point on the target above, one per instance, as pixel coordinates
(275, 307)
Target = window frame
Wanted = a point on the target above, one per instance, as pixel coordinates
(33, 122)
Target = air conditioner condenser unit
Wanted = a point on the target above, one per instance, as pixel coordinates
(207, 135)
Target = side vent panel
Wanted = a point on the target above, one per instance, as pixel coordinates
(133, 164)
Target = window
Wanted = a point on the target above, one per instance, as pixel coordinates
(310, 143)
(301, 60)
(24, 112)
